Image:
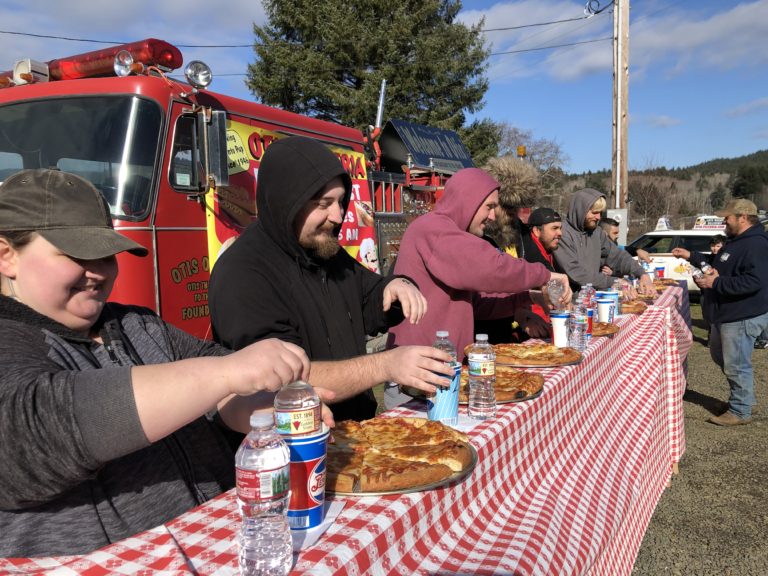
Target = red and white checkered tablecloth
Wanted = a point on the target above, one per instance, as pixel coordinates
(151, 553)
(565, 483)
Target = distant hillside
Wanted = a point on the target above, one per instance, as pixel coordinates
(729, 165)
(757, 159)
(680, 193)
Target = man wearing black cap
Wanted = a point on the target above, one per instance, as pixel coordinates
(545, 228)
(540, 240)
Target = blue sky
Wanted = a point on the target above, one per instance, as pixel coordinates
(698, 85)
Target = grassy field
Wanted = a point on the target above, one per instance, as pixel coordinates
(713, 519)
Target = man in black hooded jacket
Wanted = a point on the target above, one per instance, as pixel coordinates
(286, 277)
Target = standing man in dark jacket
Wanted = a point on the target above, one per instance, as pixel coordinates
(736, 296)
(286, 277)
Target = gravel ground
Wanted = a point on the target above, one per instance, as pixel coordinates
(713, 519)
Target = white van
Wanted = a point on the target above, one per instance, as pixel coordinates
(659, 245)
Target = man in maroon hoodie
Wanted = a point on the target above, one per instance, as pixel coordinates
(461, 275)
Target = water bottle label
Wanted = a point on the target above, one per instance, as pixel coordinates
(262, 485)
(484, 367)
(293, 422)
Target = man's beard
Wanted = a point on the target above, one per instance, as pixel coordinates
(551, 246)
(322, 246)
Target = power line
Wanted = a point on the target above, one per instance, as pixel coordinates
(552, 46)
(538, 24)
(534, 25)
(93, 41)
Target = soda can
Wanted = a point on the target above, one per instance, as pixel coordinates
(660, 271)
(306, 507)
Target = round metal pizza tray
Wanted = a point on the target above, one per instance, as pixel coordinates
(452, 479)
(514, 400)
(613, 332)
(573, 362)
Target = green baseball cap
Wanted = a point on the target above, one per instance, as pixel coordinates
(66, 210)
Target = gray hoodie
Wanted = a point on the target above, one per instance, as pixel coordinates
(77, 471)
(582, 253)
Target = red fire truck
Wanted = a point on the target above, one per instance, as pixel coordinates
(178, 164)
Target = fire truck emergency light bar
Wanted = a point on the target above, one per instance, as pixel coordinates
(150, 52)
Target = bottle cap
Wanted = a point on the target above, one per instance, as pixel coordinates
(442, 333)
(481, 337)
(262, 419)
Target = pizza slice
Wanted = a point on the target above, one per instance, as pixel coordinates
(384, 432)
(604, 329)
(511, 384)
(633, 307)
(456, 455)
(342, 469)
(382, 473)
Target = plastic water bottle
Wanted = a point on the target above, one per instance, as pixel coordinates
(577, 338)
(297, 409)
(482, 377)
(619, 287)
(263, 492)
(443, 343)
(590, 295)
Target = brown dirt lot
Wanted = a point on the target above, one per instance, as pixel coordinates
(713, 519)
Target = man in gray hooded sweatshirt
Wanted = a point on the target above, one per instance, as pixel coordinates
(585, 248)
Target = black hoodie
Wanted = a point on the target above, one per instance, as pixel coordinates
(267, 286)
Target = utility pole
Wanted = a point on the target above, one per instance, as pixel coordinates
(619, 169)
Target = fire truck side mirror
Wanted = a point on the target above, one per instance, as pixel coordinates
(212, 139)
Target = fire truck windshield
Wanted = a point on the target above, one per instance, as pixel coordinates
(110, 140)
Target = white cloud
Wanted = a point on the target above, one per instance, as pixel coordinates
(510, 14)
(192, 22)
(748, 108)
(665, 41)
(662, 121)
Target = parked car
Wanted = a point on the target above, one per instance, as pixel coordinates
(659, 245)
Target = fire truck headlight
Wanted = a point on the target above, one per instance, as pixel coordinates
(123, 63)
(198, 74)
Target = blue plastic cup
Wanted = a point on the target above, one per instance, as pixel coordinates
(444, 405)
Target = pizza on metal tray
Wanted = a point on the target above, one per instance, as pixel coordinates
(662, 284)
(391, 454)
(633, 307)
(533, 355)
(604, 329)
(510, 384)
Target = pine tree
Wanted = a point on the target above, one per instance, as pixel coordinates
(327, 58)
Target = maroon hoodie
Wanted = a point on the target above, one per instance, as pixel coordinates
(461, 276)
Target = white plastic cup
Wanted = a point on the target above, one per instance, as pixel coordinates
(444, 405)
(605, 310)
(559, 320)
